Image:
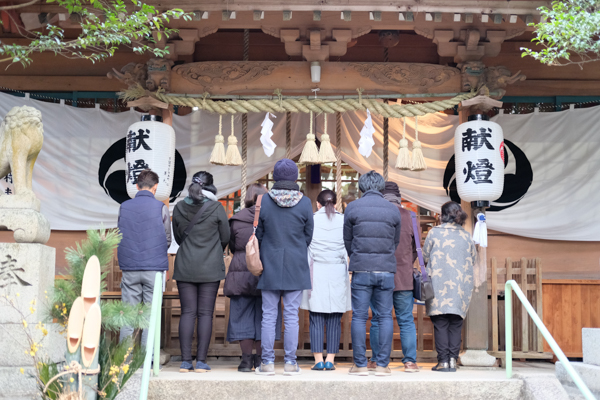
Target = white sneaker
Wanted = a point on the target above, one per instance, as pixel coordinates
(291, 369)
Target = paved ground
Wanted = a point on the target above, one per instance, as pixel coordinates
(228, 371)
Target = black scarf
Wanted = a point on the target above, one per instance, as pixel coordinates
(286, 185)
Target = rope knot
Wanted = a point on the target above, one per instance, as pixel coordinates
(204, 96)
(277, 93)
(360, 90)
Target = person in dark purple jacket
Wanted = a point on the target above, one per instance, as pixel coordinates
(245, 310)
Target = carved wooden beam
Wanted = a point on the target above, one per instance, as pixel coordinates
(263, 77)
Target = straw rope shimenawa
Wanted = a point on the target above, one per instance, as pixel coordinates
(313, 105)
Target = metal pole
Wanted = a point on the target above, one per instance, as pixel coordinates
(508, 330)
(151, 335)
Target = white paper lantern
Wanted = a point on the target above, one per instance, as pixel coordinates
(479, 158)
(150, 145)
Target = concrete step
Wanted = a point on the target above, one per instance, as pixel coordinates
(224, 382)
(590, 374)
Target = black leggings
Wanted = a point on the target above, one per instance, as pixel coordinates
(197, 302)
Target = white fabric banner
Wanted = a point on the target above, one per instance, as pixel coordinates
(551, 177)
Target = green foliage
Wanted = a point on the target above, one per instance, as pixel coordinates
(47, 371)
(105, 26)
(568, 33)
(115, 314)
(118, 362)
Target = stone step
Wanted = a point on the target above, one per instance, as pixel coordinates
(590, 374)
(224, 382)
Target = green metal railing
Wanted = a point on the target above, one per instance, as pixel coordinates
(153, 337)
(509, 287)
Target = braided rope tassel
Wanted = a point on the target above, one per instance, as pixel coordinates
(418, 160)
(404, 161)
(310, 153)
(217, 156)
(326, 154)
(233, 156)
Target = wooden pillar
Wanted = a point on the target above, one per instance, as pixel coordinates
(476, 330)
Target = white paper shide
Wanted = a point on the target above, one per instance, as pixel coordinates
(366, 142)
(265, 135)
(150, 145)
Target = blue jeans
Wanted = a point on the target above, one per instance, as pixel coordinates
(403, 305)
(270, 305)
(378, 289)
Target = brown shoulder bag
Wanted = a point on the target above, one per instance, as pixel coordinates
(252, 252)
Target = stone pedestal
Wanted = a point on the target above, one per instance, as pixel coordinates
(591, 346)
(29, 226)
(476, 332)
(26, 274)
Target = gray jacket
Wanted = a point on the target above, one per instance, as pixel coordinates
(450, 253)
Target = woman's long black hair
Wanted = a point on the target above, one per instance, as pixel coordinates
(327, 199)
(201, 181)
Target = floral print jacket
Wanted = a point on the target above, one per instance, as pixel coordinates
(450, 253)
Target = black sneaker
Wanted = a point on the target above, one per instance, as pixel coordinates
(247, 363)
(257, 360)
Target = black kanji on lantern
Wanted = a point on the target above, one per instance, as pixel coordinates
(8, 191)
(8, 178)
(134, 170)
(479, 172)
(473, 140)
(135, 140)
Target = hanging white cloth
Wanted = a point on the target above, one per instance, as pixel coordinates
(480, 231)
(266, 134)
(366, 141)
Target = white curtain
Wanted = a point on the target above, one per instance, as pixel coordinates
(562, 148)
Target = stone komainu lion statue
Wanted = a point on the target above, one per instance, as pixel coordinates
(21, 139)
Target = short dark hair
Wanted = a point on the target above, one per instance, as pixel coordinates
(371, 181)
(254, 190)
(452, 212)
(201, 180)
(147, 179)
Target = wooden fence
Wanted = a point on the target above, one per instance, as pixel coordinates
(219, 347)
(571, 305)
(527, 339)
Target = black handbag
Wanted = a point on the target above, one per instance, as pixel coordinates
(422, 285)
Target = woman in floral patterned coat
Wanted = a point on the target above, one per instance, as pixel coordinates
(449, 253)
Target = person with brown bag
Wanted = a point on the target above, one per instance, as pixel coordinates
(245, 310)
(284, 232)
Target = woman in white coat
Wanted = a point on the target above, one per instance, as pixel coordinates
(330, 296)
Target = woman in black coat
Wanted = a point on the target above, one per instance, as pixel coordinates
(245, 312)
(199, 265)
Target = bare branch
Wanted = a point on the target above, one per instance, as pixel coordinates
(17, 6)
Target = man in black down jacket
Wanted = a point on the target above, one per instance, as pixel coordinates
(371, 235)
